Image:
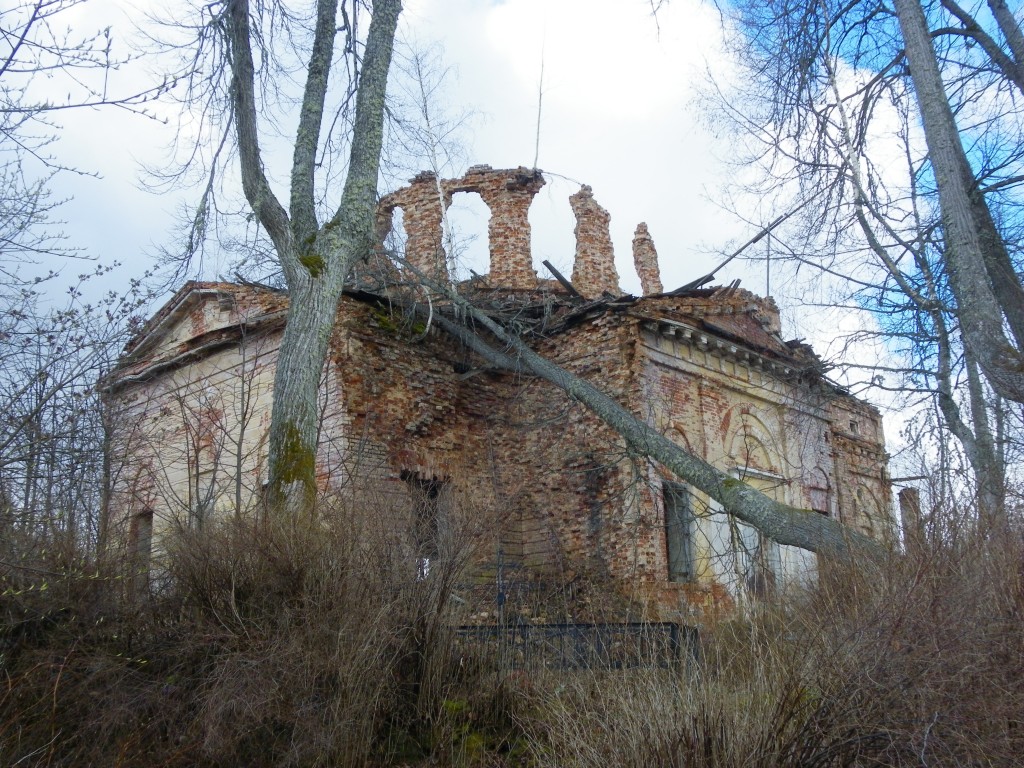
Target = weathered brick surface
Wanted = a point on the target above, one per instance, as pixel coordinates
(593, 272)
(507, 193)
(709, 369)
(421, 209)
(645, 259)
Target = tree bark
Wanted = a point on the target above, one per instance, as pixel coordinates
(989, 472)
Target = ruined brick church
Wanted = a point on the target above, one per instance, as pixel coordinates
(413, 413)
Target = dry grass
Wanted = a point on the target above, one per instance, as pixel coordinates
(306, 644)
(311, 645)
(917, 660)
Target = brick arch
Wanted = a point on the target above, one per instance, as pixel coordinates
(677, 434)
(749, 443)
(507, 193)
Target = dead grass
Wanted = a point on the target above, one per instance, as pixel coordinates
(306, 644)
(917, 660)
(316, 644)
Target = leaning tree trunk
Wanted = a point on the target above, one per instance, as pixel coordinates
(315, 259)
(967, 228)
(784, 524)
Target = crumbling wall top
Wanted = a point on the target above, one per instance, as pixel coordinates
(645, 258)
(593, 272)
(507, 193)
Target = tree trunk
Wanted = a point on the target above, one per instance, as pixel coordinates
(989, 472)
(780, 522)
(967, 227)
(315, 259)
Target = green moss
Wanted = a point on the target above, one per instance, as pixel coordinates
(731, 483)
(386, 321)
(297, 462)
(313, 262)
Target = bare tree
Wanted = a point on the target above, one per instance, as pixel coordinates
(929, 246)
(50, 352)
(46, 68)
(982, 277)
(315, 245)
(963, 85)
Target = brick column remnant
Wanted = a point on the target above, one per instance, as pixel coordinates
(645, 257)
(594, 270)
(508, 193)
(421, 211)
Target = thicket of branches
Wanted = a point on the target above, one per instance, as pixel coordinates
(52, 347)
(286, 644)
(837, 122)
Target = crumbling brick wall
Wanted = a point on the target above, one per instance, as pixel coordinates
(506, 192)
(403, 401)
(645, 259)
(593, 272)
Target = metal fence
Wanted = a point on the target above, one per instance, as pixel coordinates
(522, 645)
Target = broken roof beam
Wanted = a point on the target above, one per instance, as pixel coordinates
(562, 279)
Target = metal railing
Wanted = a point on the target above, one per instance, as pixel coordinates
(612, 645)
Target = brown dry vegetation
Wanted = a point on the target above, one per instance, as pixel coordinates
(916, 661)
(316, 645)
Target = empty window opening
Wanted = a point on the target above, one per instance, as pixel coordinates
(140, 538)
(679, 525)
(427, 520)
(465, 238)
(552, 224)
(396, 239)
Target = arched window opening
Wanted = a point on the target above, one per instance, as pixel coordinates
(465, 237)
(396, 239)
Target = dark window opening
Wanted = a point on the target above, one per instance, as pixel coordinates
(679, 522)
(427, 521)
(140, 538)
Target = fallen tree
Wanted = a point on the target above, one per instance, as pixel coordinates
(785, 524)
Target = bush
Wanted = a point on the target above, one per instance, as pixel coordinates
(320, 644)
(313, 643)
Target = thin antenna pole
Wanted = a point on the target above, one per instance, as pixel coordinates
(540, 99)
(768, 266)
